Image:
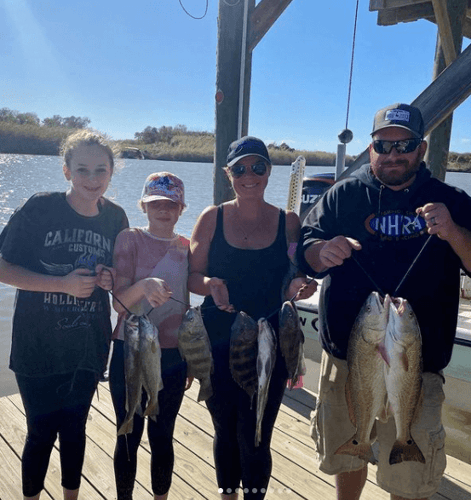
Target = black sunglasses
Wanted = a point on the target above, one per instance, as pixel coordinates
(239, 170)
(402, 147)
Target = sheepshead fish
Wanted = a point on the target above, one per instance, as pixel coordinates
(132, 372)
(265, 363)
(243, 353)
(365, 388)
(149, 347)
(403, 374)
(291, 341)
(195, 348)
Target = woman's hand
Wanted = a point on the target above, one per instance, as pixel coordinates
(220, 294)
(156, 291)
(301, 288)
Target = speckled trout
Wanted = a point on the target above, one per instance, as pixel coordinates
(195, 349)
(365, 388)
(403, 374)
(149, 347)
(292, 341)
(265, 363)
(243, 353)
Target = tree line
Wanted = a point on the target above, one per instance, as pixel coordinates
(15, 117)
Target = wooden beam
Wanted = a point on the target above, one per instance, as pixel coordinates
(262, 19)
(393, 4)
(438, 100)
(444, 30)
(406, 14)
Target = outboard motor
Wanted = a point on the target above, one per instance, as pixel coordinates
(313, 188)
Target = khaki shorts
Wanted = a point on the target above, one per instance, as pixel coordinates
(331, 427)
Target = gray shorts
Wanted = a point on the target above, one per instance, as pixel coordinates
(331, 427)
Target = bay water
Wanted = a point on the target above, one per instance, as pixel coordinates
(23, 175)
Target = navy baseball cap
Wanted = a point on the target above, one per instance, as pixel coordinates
(246, 146)
(402, 116)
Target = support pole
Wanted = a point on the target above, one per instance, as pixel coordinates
(453, 11)
(233, 74)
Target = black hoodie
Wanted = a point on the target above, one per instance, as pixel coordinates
(392, 236)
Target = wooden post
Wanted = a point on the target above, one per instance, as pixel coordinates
(230, 55)
(241, 27)
(439, 140)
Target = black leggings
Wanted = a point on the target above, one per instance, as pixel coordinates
(235, 454)
(55, 406)
(160, 433)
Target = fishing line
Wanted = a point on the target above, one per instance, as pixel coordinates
(191, 15)
(351, 64)
(368, 276)
(412, 265)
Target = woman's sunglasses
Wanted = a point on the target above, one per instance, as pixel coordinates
(239, 170)
(402, 147)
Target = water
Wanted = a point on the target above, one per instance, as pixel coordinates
(23, 175)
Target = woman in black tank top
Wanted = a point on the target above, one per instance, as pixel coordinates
(239, 259)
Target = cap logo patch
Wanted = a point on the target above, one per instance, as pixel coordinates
(397, 115)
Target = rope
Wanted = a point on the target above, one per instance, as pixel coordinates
(191, 15)
(351, 63)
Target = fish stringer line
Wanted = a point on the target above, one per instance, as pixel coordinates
(412, 265)
(378, 288)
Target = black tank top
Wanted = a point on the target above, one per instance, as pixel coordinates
(254, 278)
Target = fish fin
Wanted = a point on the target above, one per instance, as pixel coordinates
(404, 361)
(206, 389)
(351, 413)
(383, 353)
(354, 448)
(406, 452)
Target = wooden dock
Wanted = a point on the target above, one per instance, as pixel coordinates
(295, 473)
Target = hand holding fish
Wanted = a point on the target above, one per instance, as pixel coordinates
(335, 251)
(80, 283)
(220, 294)
(301, 288)
(106, 276)
(156, 291)
(438, 219)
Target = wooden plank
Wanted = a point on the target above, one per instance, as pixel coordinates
(102, 430)
(393, 4)
(411, 13)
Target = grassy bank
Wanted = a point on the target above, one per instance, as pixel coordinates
(187, 147)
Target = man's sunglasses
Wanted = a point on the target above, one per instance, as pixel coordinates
(239, 170)
(402, 147)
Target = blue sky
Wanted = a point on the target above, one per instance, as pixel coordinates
(127, 65)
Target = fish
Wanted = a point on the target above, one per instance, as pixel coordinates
(150, 356)
(296, 184)
(365, 388)
(403, 375)
(265, 363)
(243, 353)
(291, 339)
(132, 373)
(195, 348)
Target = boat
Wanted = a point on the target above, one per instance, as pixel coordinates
(132, 153)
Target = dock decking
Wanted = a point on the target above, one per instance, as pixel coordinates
(295, 473)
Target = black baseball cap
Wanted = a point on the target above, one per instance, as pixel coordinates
(402, 116)
(246, 146)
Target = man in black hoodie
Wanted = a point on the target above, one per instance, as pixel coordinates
(391, 228)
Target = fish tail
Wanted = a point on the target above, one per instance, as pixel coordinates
(206, 389)
(406, 452)
(152, 410)
(353, 447)
(126, 427)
